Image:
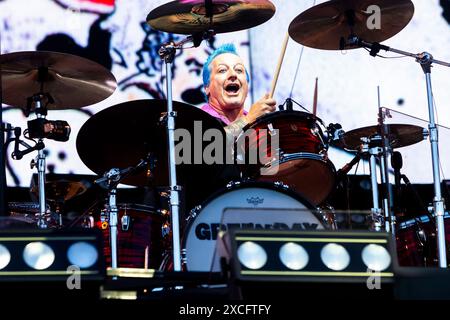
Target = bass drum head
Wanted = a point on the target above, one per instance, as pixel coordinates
(200, 239)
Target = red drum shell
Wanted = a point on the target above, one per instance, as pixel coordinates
(304, 164)
(142, 244)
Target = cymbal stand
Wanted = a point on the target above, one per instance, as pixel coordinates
(39, 163)
(167, 53)
(425, 60)
(113, 175)
(373, 152)
(384, 155)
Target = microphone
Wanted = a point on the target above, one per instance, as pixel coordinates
(289, 106)
(116, 175)
(397, 164)
(17, 133)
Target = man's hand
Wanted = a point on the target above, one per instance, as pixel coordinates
(263, 106)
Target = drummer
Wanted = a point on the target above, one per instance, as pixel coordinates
(225, 81)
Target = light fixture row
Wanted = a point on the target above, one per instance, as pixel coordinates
(295, 257)
(40, 256)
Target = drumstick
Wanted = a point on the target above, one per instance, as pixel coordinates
(280, 62)
(316, 89)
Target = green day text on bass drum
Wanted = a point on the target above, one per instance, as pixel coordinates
(278, 208)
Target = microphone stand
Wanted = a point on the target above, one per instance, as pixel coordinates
(425, 60)
(167, 53)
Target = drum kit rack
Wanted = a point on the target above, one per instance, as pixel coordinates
(41, 81)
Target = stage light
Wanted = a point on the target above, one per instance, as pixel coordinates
(294, 256)
(376, 257)
(51, 254)
(335, 256)
(305, 255)
(38, 255)
(5, 256)
(82, 254)
(252, 255)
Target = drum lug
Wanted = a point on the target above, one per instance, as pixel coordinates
(281, 184)
(272, 131)
(193, 213)
(233, 184)
(125, 222)
(104, 218)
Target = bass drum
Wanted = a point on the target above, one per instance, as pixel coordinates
(206, 220)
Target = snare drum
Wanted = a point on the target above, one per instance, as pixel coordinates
(302, 161)
(206, 220)
(140, 237)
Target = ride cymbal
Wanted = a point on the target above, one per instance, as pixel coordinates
(194, 16)
(67, 81)
(328, 25)
(122, 135)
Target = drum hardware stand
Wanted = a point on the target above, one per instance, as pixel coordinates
(167, 54)
(373, 152)
(39, 162)
(112, 178)
(425, 60)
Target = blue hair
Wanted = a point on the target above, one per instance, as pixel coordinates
(225, 48)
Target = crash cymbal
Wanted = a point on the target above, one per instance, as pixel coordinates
(71, 82)
(399, 135)
(324, 25)
(192, 16)
(122, 135)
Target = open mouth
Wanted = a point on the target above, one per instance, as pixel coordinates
(232, 88)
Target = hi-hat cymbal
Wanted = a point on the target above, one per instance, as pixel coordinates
(71, 81)
(192, 16)
(399, 135)
(122, 135)
(324, 25)
(61, 190)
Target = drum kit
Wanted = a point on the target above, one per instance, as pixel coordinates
(134, 142)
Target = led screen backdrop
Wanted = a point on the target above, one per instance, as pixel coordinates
(114, 33)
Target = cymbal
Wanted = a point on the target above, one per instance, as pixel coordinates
(61, 190)
(324, 25)
(190, 16)
(399, 135)
(121, 135)
(71, 81)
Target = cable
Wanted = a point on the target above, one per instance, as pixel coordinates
(296, 72)
(298, 64)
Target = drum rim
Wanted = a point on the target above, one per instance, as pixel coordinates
(277, 114)
(137, 206)
(232, 185)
